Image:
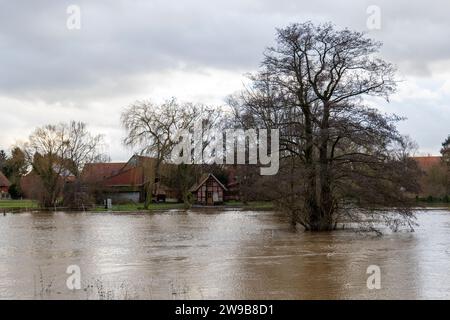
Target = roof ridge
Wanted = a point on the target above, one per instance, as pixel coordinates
(204, 177)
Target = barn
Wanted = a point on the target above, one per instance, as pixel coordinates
(208, 191)
(125, 182)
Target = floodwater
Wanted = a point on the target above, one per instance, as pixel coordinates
(216, 255)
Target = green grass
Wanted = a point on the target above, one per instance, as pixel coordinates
(30, 204)
(18, 204)
(140, 207)
(253, 205)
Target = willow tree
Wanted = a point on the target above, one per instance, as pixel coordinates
(340, 153)
(154, 130)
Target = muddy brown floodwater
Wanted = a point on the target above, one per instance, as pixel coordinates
(216, 255)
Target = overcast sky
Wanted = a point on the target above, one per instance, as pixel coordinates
(197, 51)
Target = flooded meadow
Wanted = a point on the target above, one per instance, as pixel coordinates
(216, 254)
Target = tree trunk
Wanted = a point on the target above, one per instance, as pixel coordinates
(148, 194)
(326, 198)
(152, 184)
(311, 207)
(319, 203)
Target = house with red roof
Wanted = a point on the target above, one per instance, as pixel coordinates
(433, 177)
(127, 181)
(4, 186)
(427, 162)
(32, 186)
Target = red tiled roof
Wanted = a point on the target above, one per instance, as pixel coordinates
(97, 172)
(426, 163)
(130, 177)
(4, 182)
(130, 173)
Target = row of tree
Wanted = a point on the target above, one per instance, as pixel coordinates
(340, 158)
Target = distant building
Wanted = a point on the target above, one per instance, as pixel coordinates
(427, 162)
(4, 187)
(127, 181)
(208, 191)
(32, 186)
(433, 175)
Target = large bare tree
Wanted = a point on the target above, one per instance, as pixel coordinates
(56, 152)
(336, 151)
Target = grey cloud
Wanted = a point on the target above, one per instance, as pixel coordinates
(122, 42)
(131, 37)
